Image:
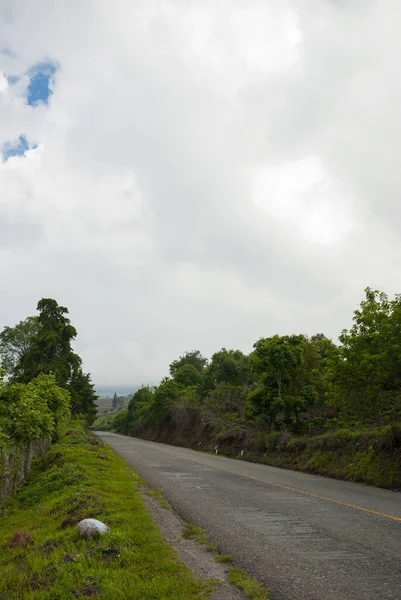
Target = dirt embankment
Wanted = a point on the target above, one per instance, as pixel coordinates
(371, 456)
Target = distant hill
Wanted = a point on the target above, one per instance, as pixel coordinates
(106, 404)
(106, 391)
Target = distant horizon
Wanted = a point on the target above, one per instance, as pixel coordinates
(121, 390)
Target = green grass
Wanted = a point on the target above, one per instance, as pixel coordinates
(224, 558)
(81, 477)
(237, 577)
(190, 532)
(158, 494)
(251, 588)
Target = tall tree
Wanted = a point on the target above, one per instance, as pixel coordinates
(366, 372)
(15, 342)
(114, 402)
(50, 349)
(228, 366)
(193, 357)
(83, 396)
(281, 393)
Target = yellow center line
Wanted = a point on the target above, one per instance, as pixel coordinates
(286, 487)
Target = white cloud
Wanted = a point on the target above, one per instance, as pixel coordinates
(205, 175)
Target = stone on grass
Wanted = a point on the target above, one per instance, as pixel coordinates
(90, 528)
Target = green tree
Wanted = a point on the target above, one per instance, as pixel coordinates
(164, 396)
(36, 410)
(15, 343)
(188, 375)
(120, 423)
(366, 371)
(194, 358)
(281, 394)
(114, 402)
(228, 366)
(50, 349)
(140, 407)
(83, 396)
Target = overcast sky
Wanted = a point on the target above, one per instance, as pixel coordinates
(197, 173)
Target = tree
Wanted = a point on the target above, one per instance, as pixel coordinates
(140, 406)
(15, 342)
(120, 422)
(83, 396)
(228, 366)
(36, 410)
(281, 393)
(114, 403)
(366, 371)
(50, 349)
(188, 375)
(194, 358)
(164, 396)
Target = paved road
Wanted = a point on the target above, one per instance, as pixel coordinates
(306, 537)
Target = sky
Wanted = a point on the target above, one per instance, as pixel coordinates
(184, 174)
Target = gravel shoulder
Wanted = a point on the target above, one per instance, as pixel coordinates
(201, 562)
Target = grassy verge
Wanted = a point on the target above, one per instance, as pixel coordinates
(81, 477)
(371, 456)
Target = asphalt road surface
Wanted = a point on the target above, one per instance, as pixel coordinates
(304, 536)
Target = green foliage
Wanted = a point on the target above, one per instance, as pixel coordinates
(194, 358)
(139, 407)
(188, 375)
(103, 423)
(50, 350)
(83, 396)
(251, 588)
(281, 394)
(228, 366)
(15, 342)
(164, 397)
(41, 345)
(36, 410)
(120, 423)
(365, 374)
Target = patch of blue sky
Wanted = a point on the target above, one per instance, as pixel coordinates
(16, 148)
(39, 89)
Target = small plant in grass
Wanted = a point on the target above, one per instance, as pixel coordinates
(251, 588)
(190, 532)
(160, 497)
(224, 558)
(211, 547)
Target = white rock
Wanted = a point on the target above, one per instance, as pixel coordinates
(89, 528)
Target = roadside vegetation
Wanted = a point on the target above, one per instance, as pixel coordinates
(45, 558)
(42, 385)
(294, 401)
(236, 576)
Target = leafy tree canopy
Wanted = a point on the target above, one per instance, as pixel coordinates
(83, 395)
(15, 343)
(188, 375)
(50, 348)
(194, 358)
